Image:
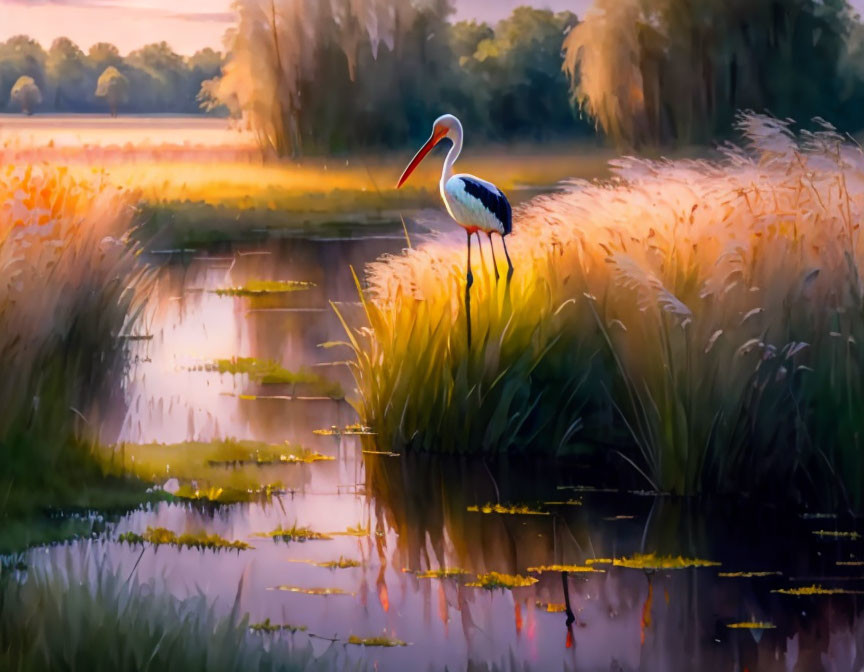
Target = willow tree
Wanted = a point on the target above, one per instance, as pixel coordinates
(651, 71)
(278, 45)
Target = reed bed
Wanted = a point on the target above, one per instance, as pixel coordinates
(697, 323)
(70, 289)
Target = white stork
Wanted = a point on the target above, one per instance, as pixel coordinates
(475, 205)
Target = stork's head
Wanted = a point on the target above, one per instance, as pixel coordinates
(446, 126)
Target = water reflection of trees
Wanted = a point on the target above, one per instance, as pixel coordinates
(639, 619)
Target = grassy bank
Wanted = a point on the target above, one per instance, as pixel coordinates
(696, 322)
(70, 287)
(113, 622)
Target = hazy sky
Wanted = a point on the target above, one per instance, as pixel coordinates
(187, 25)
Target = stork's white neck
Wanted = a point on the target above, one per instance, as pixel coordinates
(456, 138)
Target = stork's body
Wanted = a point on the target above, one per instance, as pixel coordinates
(475, 204)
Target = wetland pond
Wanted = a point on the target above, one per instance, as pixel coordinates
(612, 580)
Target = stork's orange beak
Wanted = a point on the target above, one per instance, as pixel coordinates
(437, 135)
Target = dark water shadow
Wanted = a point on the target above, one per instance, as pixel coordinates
(621, 617)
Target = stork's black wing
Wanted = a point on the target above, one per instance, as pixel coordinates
(492, 198)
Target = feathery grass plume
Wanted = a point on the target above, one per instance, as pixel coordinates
(71, 285)
(698, 320)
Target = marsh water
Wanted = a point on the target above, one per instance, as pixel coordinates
(412, 513)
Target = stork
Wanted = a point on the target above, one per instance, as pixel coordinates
(476, 205)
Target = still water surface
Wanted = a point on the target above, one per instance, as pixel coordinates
(416, 512)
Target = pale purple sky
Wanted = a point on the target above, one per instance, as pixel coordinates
(187, 25)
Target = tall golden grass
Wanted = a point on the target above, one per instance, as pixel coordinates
(69, 281)
(697, 320)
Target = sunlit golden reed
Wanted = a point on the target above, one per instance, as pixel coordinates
(709, 313)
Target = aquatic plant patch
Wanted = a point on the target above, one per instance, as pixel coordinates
(552, 607)
(375, 641)
(837, 534)
(498, 581)
(505, 509)
(324, 592)
(654, 561)
(268, 372)
(265, 288)
(816, 589)
(350, 430)
(160, 536)
(570, 569)
(358, 530)
(266, 626)
(294, 533)
(341, 563)
(443, 573)
(225, 471)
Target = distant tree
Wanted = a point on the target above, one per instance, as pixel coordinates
(69, 74)
(103, 55)
(20, 55)
(158, 75)
(26, 94)
(113, 86)
(465, 37)
(206, 63)
(521, 66)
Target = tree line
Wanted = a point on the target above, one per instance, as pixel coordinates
(319, 76)
(66, 79)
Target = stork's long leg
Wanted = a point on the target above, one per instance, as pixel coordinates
(469, 279)
(482, 256)
(509, 263)
(494, 260)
